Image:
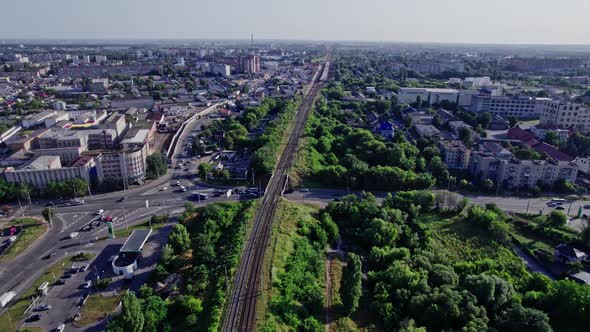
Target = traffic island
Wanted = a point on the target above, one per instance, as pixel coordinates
(24, 231)
(97, 307)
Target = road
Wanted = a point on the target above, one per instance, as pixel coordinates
(240, 314)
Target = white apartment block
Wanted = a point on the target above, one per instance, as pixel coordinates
(506, 106)
(565, 114)
(45, 169)
(516, 173)
(431, 95)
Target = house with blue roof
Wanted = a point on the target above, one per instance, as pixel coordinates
(386, 130)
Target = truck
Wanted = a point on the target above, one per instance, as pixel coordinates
(6, 298)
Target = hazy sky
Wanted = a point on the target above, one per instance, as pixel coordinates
(495, 21)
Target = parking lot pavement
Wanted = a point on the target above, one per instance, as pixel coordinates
(63, 299)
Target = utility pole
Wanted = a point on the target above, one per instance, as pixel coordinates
(22, 213)
(527, 206)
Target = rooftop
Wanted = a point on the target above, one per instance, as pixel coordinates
(136, 241)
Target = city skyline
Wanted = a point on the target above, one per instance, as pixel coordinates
(386, 21)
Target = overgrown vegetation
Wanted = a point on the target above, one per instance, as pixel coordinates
(450, 274)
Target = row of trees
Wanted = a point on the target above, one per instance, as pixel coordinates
(266, 147)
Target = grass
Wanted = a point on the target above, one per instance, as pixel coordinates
(17, 310)
(281, 246)
(32, 229)
(471, 247)
(97, 306)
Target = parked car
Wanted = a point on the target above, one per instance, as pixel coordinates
(60, 328)
(73, 235)
(88, 284)
(34, 318)
(83, 268)
(77, 317)
(60, 282)
(43, 307)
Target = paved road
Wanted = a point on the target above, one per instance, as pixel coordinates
(512, 204)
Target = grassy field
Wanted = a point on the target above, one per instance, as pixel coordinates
(281, 246)
(470, 247)
(97, 306)
(16, 311)
(32, 229)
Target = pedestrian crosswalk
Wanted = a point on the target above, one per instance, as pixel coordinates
(76, 221)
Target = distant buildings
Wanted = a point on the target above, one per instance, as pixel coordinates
(45, 169)
(99, 85)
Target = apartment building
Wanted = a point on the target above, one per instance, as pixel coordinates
(121, 164)
(455, 153)
(432, 96)
(505, 106)
(515, 173)
(565, 114)
(45, 169)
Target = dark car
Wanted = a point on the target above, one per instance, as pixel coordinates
(60, 282)
(34, 317)
(66, 276)
(48, 256)
(52, 203)
(122, 199)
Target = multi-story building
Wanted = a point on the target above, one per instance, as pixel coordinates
(219, 69)
(541, 131)
(565, 114)
(45, 169)
(515, 173)
(437, 67)
(99, 85)
(505, 106)
(433, 96)
(248, 64)
(456, 154)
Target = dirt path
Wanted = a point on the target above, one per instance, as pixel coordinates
(328, 295)
(331, 254)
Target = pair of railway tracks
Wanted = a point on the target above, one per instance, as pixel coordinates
(240, 314)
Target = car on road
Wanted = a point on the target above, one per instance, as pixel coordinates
(52, 203)
(87, 285)
(66, 276)
(43, 307)
(83, 268)
(34, 318)
(86, 228)
(60, 328)
(48, 256)
(122, 199)
(178, 183)
(100, 212)
(587, 206)
(183, 189)
(60, 282)
(304, 190)
(164, 189)
(73, 235)
(559, 208)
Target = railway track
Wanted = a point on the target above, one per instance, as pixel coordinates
(240, 313)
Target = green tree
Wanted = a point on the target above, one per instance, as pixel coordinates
(556, 219)
(132, 318)
(156, 165)
(351, 283)
(179, 239)
(519, 318)
(552, 138)
(204, 169)
(155, 312)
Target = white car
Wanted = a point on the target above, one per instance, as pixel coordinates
(164, 189)
(100, 212)
(73, 235)
(60, 328)
(88, 284)
(183, 189)
(178, 183)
